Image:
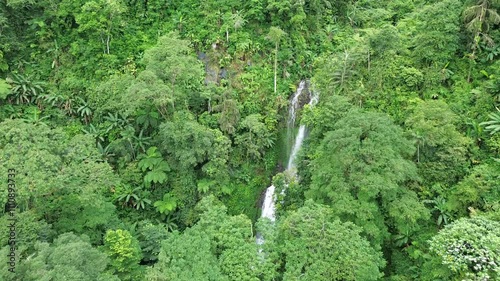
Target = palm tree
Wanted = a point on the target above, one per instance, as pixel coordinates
(56, 54)
(141, 141)
(93, 131)
(133, 197)
(439, 205)
(403, 239)
(179, 21)
(23, 89)
(84, 111)
(478, 19)
(275, 34)
(494, 124)
(68, 107)
(129, 196)
(147, 119)
(117, 121)
(105, 151)
(344, 72)
(53, 99)
(34, 117)
(330, 30)
(236, 20)
(475, 131)
(171, 222)
(135, 144)
(141, 203)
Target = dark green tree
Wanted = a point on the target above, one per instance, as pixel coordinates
(362, 168)
(313, 246)
(468, 249)
(70, 257)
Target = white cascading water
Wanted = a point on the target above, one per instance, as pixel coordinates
(292, 111)
(300, 137)
(268, 207)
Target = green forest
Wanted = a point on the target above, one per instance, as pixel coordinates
(138, 139)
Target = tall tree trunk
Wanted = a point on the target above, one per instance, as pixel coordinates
(103, 42)
(108, 39)
(275, 65)
(369, 63)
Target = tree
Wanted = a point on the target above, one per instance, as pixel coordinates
(150, 237)
(193, 260)
(4, 89)
(479, 190)
(275, 34)
(70, 257)
(24, 89)
(64, 182)
(217, 247)
(173, 62)
(145, 90)
(106, 97)
(437, 36)
(229, 115)
(469, 248)
(124, 253)
(193, 152)
(255, 137)
(233, 241)
(29, 229)
(85, 111)
(321, 119)
(337, 71)
(172, 76)
(103, 17)
(493, 125)
(313, 245)
(189, 144)
(234, 20)
(367, 182)
(478, 19)
(439, 205)
(442, 148)
(148, 120)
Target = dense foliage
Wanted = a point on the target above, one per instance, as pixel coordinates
(144, 133)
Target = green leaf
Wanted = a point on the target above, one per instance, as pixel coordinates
(166, 205)
(4, 89)
(162, 166)
(151, 152)
(204, 185)
(155, 177)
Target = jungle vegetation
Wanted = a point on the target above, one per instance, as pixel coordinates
(144, 132)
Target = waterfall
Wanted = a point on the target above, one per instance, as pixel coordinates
(295, 105)
(300, 137)
(268, 206)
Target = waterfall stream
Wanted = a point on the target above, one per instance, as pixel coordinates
(268, 206)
